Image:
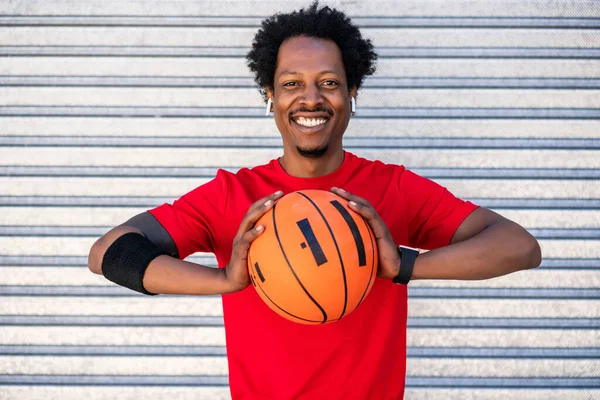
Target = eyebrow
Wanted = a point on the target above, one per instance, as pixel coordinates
(298, 73)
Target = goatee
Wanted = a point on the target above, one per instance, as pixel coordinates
(312, 153)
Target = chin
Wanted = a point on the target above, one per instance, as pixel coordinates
(312, 152)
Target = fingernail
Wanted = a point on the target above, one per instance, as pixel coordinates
(334, 188)
(268, 203)
(259, 228)
(353, 204)
(341, 190)
(277, 193)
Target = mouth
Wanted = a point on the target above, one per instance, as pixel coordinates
(310, 124)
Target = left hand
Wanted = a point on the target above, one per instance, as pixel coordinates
(389, 260)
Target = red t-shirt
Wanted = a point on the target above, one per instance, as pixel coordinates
(362, 356)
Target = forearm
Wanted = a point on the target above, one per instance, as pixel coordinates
(500, 249)
(165, 274)
(169, 275)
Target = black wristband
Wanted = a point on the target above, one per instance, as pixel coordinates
(408, 255)
(126, 260)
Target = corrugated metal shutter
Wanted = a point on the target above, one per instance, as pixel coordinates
(110, 108)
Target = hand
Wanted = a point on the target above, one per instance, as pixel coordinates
(389, 260)
(236, 272)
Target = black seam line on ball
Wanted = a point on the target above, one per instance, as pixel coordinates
(360, 246)
(259, 272)
(313, 243)
(258, 285)
(292, 269)
(336, 248)
(372, 262)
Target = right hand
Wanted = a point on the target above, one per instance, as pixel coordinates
(236, 271)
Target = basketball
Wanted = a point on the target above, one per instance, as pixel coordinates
(316, 260)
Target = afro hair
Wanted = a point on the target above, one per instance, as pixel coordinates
(358, 55)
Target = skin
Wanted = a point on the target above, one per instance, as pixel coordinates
(310, 81)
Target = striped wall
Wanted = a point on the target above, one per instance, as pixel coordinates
(110, 108)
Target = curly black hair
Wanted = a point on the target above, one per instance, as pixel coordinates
(358, 55)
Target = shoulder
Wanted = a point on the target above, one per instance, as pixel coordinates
(375, 168)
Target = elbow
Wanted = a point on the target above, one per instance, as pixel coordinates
(95, 256)
(533, 254)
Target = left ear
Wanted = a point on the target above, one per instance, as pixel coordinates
(353, 91)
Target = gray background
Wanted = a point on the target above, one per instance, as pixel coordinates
(108, 108)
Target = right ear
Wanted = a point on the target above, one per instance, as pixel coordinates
(269, 92)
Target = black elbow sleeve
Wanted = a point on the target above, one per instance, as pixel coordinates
(126, 260)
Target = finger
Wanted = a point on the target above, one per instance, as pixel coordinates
(257, 210)
(349, 196)
(241, 246)
(379, 228)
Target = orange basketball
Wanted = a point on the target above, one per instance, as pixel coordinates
(316, 261)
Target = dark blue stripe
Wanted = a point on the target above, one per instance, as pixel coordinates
(313, 243)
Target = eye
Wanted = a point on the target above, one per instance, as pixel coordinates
(290, 84)
(330, 83)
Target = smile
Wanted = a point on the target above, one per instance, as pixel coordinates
(310, 122)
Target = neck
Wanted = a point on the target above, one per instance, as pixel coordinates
(307, 167)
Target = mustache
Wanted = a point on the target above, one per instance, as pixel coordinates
(308, 110)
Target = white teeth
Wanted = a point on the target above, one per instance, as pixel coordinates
(309, 122)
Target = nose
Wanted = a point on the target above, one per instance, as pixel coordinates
(311, 96)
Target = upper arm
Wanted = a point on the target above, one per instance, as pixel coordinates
(475, 223)
(149, 226)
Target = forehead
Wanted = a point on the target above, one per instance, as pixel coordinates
(307, 54)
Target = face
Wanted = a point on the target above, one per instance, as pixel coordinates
(311, 100)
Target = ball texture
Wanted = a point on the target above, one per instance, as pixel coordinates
(316, 261)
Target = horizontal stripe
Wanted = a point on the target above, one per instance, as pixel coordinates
(258, 112)
(198, 321)
(236, 22)
(202, 380)
(74, 276)
(194, 351)
(66, 261)
(250, 97)
(199, 351)
(124, 366)
(210, 172)
(210, 306)
(240, 38)
(422, 393)
(152, 201)
(275, 142)
(111, 380)
(247, 82)
(242, 8)
(96, 231)
(259, 127)
(211, 365)
(233, 157)
(236, 67)
(215, 336)
(417, 292)
(131, 186)
(241, 51)
(24, 215)
(60, 392)
(24, 391)
(81, 261)
(80, 246)
(537, 383)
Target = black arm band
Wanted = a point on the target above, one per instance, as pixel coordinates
(126, 260)
(408, 255)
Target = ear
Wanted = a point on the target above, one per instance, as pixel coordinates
(353, 91)
(269, 92)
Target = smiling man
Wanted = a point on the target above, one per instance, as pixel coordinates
(309, 65)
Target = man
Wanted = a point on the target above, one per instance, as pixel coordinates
(309, 66)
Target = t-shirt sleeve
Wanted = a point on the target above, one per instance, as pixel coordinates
(193, 218)
(434, 214)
